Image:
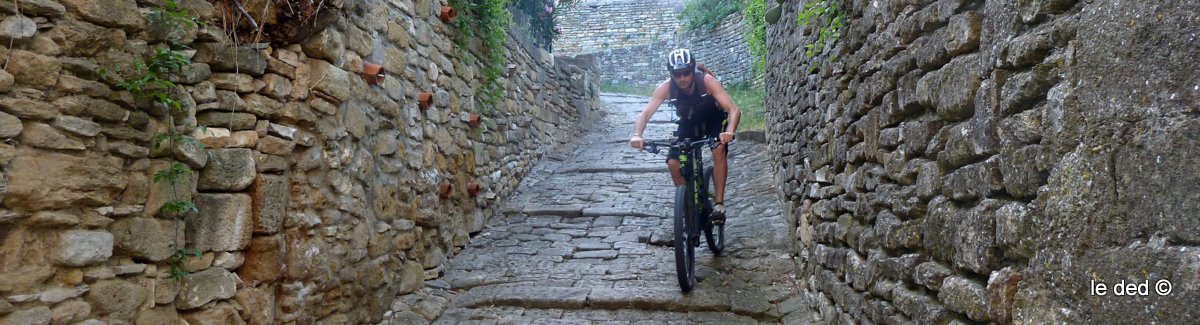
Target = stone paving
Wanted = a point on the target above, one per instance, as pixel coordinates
(586, 241)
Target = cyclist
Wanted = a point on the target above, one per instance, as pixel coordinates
(704, 109)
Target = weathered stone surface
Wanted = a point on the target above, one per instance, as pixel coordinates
(224, 58)
(271, 196)
(977, 180)
(259, 305)
(325, 46)
(145, 238)
(270, 163)
(114, 13)
(48, 8)
(78, 126)
(964, 237)
(70, 312)
(28, 109)
(228, 170)
(328, 79)
(116, 298)
(163, 192)
(19, 29)
(220, 314)
(202, 287)
(228, 261)
(965, 296)
(159, 315)
(263, 261)
(45, 136)
(83, 247)
(272, 145)
(48, 219)
(237, 82)
(24, 278)
(98, 109)
(227, 120)
(34, 69)
(921, 308)
(931, 274)
(1001, 289)
(10, 126)
(39, 315)
(277, 87)
(223, 224)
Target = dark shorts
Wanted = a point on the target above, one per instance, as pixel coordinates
(711, 128)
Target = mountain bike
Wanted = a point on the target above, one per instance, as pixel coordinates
(692, 206)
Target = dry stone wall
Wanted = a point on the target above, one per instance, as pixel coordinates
(591, 26)
(722, 49)
(320, 196)
(965, 161)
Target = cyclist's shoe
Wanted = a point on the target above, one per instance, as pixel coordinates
(718, 214)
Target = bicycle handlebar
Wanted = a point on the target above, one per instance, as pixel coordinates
(681, 144)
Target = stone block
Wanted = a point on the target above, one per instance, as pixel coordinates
(273, 145)
(162, 192)
(10, 126)
(919, 307)
(271, 195)
(1025, 90)
(1024, 170)
(122, 14)
(243, 139)
(225, 58)
(44, 136)
(228, 170)
(974, 181)
(220, 314)
(158, 315)
(70, 312)
(964, 33)
(262, 261)
(259, 305)
(144, 238)
(277, 87)
(75, 125)
(202, 287)
(228, 120)
(965, 238)
(24, 108)
(966, 297)
(967, 142)
(1001, 291)
(223, 224)
(327, 45)
(83, 247)
(237, 82)
(328, 79)
(34, 69)
(116, 298)
(40, 315)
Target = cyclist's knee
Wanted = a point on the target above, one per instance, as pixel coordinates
(673, 163)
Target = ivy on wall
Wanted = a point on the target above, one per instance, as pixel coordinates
(708, 14)
(756, 35)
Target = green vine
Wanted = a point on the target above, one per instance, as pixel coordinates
(708, 14)
(829, 21)
(181, 255)
(756, 36)
(492, 19)
(149, 80)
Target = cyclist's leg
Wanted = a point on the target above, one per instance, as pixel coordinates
(673, 165)
(720, 172)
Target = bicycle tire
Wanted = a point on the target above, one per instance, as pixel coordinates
(714, 235)
(685, 253)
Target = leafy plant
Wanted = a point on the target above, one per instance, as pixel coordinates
(756, 35)
(150, 80)
(491, 18)
(181, 254)
(829, 21)
(708, 14)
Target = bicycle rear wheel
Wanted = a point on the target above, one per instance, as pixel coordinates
(713, 234)
(685, 253)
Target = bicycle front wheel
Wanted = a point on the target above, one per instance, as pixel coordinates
(713, 234)
(685, 253)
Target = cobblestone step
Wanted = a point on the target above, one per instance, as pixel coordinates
(648, 299)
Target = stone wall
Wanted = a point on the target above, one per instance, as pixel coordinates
(591, 26)
(963, 160)
(317, 193)
(722, 49)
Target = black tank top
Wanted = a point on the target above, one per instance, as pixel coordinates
(699, 106)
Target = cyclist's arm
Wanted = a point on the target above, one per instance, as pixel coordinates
(724, 101)
(660, 94)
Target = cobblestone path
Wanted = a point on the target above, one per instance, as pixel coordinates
(586, 241)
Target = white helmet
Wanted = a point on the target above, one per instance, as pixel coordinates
(679, 60)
